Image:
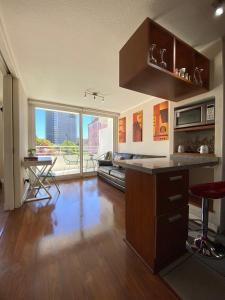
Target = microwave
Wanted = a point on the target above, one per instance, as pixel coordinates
(195, 115)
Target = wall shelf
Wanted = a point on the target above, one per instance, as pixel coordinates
(196, 128)
(193, 154)
(137, 74)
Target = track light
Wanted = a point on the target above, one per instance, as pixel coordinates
(95, 95)
(218, 7)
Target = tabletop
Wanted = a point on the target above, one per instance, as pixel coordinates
(41, 161)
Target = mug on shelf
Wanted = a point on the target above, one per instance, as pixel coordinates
(180, 149)
(203, 149)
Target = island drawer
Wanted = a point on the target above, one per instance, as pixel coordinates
(171, 235)
(171, 191)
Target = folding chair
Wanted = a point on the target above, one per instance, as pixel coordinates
(50, 175)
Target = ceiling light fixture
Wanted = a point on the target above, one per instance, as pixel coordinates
(218, 7)
(94, 94)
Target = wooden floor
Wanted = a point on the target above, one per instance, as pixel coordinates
(72, 248)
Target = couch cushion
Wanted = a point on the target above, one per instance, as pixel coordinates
(142, 156)
(119, 156)
(120, 173)
(103, 162)
(105, 169)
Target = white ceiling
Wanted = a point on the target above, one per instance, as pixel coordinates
(62, 47)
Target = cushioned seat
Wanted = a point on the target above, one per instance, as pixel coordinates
(143, 156)
(114, 174)
(105, 169)
(119, 173)
(213, 190)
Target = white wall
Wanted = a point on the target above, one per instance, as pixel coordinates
(20, 116)
(147, 146)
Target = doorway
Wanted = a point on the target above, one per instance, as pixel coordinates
(3, 214)
(76, 137)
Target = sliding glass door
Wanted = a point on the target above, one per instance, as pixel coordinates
(77, 140)
(57, 134)
(97, 140)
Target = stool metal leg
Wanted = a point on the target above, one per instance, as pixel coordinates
(202, 245)
(205, 217)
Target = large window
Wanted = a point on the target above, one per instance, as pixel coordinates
(76, 140)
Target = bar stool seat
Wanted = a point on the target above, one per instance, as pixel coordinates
(213, 190)
(206, 191)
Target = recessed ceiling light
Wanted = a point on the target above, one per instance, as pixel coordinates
(219, 11)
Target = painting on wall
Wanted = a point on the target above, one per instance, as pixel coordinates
(137, 126)
(160, 121)
(122, 130)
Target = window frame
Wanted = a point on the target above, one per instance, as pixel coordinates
(33, 104)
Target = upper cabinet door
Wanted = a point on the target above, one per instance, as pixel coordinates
(150, 62)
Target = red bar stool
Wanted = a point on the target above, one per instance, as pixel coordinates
(206, 191)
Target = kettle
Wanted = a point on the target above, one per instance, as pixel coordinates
(203, 149)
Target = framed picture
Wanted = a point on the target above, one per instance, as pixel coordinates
(122, 130)
(160, 122)
(138, 126)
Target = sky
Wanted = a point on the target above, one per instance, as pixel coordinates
(40, 123)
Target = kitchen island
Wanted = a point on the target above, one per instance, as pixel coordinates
(157, 207)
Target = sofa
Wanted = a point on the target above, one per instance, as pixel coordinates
(110, 172)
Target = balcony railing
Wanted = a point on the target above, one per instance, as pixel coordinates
(68, 158)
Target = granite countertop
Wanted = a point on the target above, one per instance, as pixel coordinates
(160, 165)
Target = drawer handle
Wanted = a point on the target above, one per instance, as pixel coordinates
(175, 178)
(175, 197)
(175, 218)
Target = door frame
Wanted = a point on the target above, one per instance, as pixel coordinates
(8, 147)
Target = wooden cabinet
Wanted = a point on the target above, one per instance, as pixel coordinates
(137, 73)
(171, 235)
(157, 216)
(171, 192)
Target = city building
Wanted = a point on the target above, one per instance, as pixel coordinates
(60, 127)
